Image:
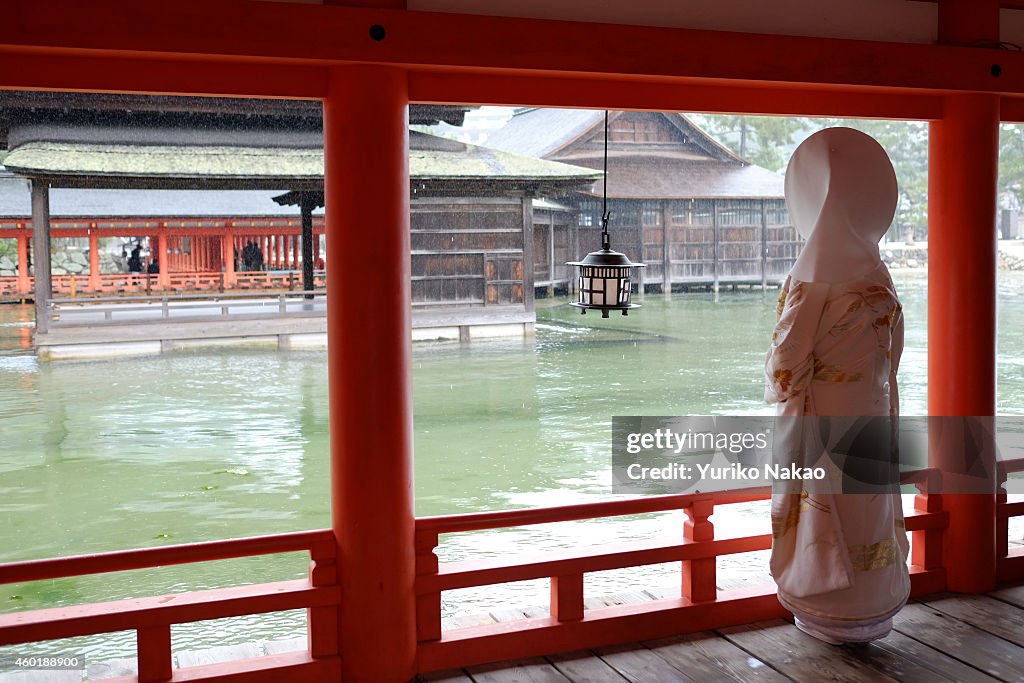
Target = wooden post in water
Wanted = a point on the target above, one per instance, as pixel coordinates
(369, 350)
(666, 247)
(306, 207)
(529, 274)
(764, 244)
(43, 290)
(714, 244)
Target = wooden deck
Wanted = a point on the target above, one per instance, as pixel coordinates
(937, 638)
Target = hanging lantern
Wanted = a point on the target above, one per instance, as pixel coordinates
(604, 281)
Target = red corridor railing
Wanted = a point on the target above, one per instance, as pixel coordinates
(568, 625)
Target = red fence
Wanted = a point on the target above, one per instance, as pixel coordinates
(151, 617)
(567, 627)
(200, 254)
(114, 284)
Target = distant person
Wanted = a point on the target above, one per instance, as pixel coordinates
(257, 257)
(135, 260)
(249, 256)
(154, 267)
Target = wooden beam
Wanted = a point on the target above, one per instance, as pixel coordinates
(153, 75)
(654, 94)
(298, 35)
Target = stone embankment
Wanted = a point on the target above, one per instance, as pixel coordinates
(70, 262)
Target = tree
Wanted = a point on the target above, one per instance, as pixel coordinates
(762, 140)
(769, 141)
(906, 142)
(1011, 165)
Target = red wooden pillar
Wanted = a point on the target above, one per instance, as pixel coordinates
(963, 171)
(163, 278)
(94, 259)
(227, 254)
(963, 160)
(23, 285)
(369, 360)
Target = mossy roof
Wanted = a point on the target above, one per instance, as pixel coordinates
(277, 164)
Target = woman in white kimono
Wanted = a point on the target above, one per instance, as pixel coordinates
(839, 559)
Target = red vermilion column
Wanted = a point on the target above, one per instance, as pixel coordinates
(164, 277)
(23, 285)
(366, 183)
(94, 260)
(963, 162)
(227, 255)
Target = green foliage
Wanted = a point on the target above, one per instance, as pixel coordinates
(907, 145)
(1011, 164)
(9, 248)
(761, 140)
(769, 141)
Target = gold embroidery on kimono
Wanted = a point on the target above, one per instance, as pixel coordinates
(866, 558)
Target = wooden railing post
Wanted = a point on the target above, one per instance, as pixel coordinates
(567, 597)
(154, 653)
(926, 545)
(428, 605)
(1002, 520)
(699, 576)
(322, 622)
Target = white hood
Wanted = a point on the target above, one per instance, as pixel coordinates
(841, 194)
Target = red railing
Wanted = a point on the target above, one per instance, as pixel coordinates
(108, 284)
(568, 626)
(1010, 560)
(151, 617)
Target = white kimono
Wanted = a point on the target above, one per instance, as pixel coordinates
(839, 559)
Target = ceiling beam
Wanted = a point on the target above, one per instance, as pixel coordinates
(265, 34)
(661, 95)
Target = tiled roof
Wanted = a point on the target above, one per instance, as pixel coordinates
(680, 179)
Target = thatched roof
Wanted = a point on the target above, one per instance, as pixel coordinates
(116, 158)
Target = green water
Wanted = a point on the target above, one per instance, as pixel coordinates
(106, 455)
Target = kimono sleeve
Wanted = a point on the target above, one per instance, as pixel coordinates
(789, 365)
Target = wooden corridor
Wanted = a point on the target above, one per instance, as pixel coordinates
(940, 637)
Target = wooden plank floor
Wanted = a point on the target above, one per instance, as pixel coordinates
(940, 637)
